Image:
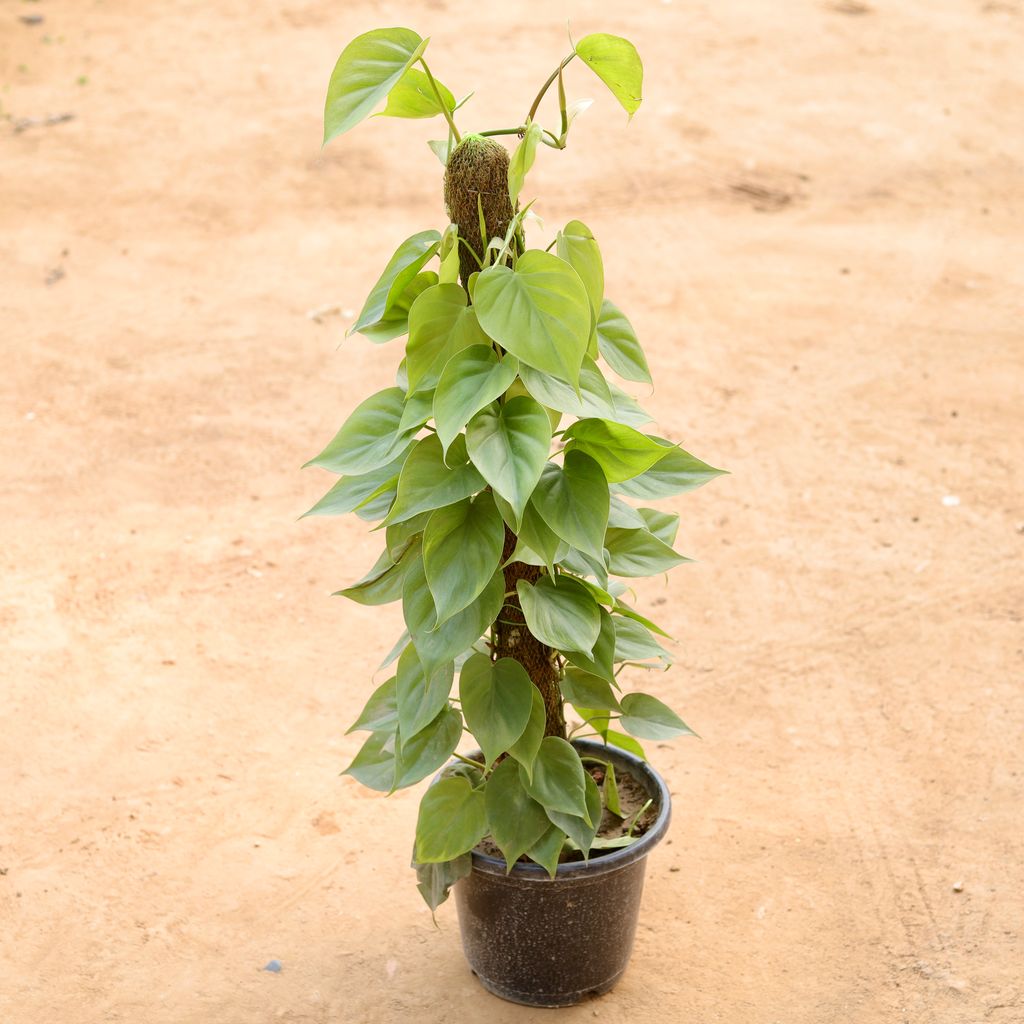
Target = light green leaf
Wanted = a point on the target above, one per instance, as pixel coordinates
(420, 697)
(374, 765)
(547, 850)
(582, 688)
(676, 472)
(470, 381)
(370, 436)
(402, 268)
(539, 312)
(615, 61)
(383, 583)
(440, 324)
(522, 160)
(573, 500)
(579, 831)
(398, 535)
(627, 409)
(624, 742)
(427, 482)
(632, 613)
(396, 321)
(594, 397)
(497, 700)
(421, 755)
(418, 409)
(515, 820)
(576, 245)
(381, 711)
(509, 445)
(452, 820)
(558, 783)
(633, 642)
(413, 96)
(621, 451)
(623, 516)
(462, 547)
(610, 791)
(639, 553)
(367, 70)
(618, 344)
(461, 631)
(581, 564)
(647, 717)
(565, 616)
(351, 491)
(664, 525)
(524, 749)
(441, 148)
(434, 881)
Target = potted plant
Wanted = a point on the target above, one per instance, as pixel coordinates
(500, 470)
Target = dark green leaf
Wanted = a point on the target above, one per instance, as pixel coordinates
(422, 754)
(647, 717)
(584, 689)
(383, 583)
(547, 850)
(618, 344)
(524, 750)
(470, 381)
(367, 70)
(497, 699)
(434, 881)
(539, 312)
(381, 711)
(402, 268)
(557, 783)
(462, 547)
(374, 765)
(370, 437)
(573, 501)
(600, 662)
(564, 616)
(452, 820)
(509, 445)
(515, 820)
(420, 697)
(579, 831)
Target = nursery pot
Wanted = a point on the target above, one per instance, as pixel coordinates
(545, 941)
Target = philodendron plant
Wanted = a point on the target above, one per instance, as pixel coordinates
(499, 470)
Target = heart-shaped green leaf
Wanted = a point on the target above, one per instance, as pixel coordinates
(639, 553)
(422, 754)
(381, 711)
(558, 783)
(402, 269)
(497, 699)
(413, 96)
(581, 832)
(524, 750)
(515, 820)
(615, 61)
(647, 717)
(441, 323)
(621, 451)
(618, 344)
(370, 437)
(469, 382)
(676, 472)
(452, 820)
(633, 642)
(429, 481)
(573, 501)
(576, 245)
(564, 616)
(420, 697)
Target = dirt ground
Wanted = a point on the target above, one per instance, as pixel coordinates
(814, 223)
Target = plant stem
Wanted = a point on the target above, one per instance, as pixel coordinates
(504, 131)
(470, 761)
(547, 85)
(440, 103)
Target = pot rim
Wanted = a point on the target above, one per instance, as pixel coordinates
(605, 862)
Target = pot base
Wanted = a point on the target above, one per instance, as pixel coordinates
(548, 1000)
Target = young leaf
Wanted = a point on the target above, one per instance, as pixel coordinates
(615, 61)
(522, 160)
(413, 96)
(676, 472)
(524, 750)
(639, 553)
(469, 382)
(367, 70)
(497, 700)
(547, 849)
(437, 645)
(618, 344)
(440, 324)
(575, 827)
(633, 642)
(422, 754)
(573, 501)
(576, 245)
(621, 451)
(565, 616)
(441, 148)
(381, 711)
(401, 270)
(370, 436)
(420, 697)
(462, 547)
(557, 782)
(427, 481)
(515, 820)
(610, 791)
(539, 312)
(434, 881)
(509, 445)
(647, 717)
(452, 820)
(351, 491)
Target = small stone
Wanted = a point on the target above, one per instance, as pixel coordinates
(958, 887)
(274, 966)
(950, 500)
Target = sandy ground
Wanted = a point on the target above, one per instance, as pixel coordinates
(814, 222)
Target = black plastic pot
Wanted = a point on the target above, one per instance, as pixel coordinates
(545, 941)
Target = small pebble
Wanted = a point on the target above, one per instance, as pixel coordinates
(950, 500)
(958, 887)
(273, 966)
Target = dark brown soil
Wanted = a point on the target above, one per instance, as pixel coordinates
(632, 797)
